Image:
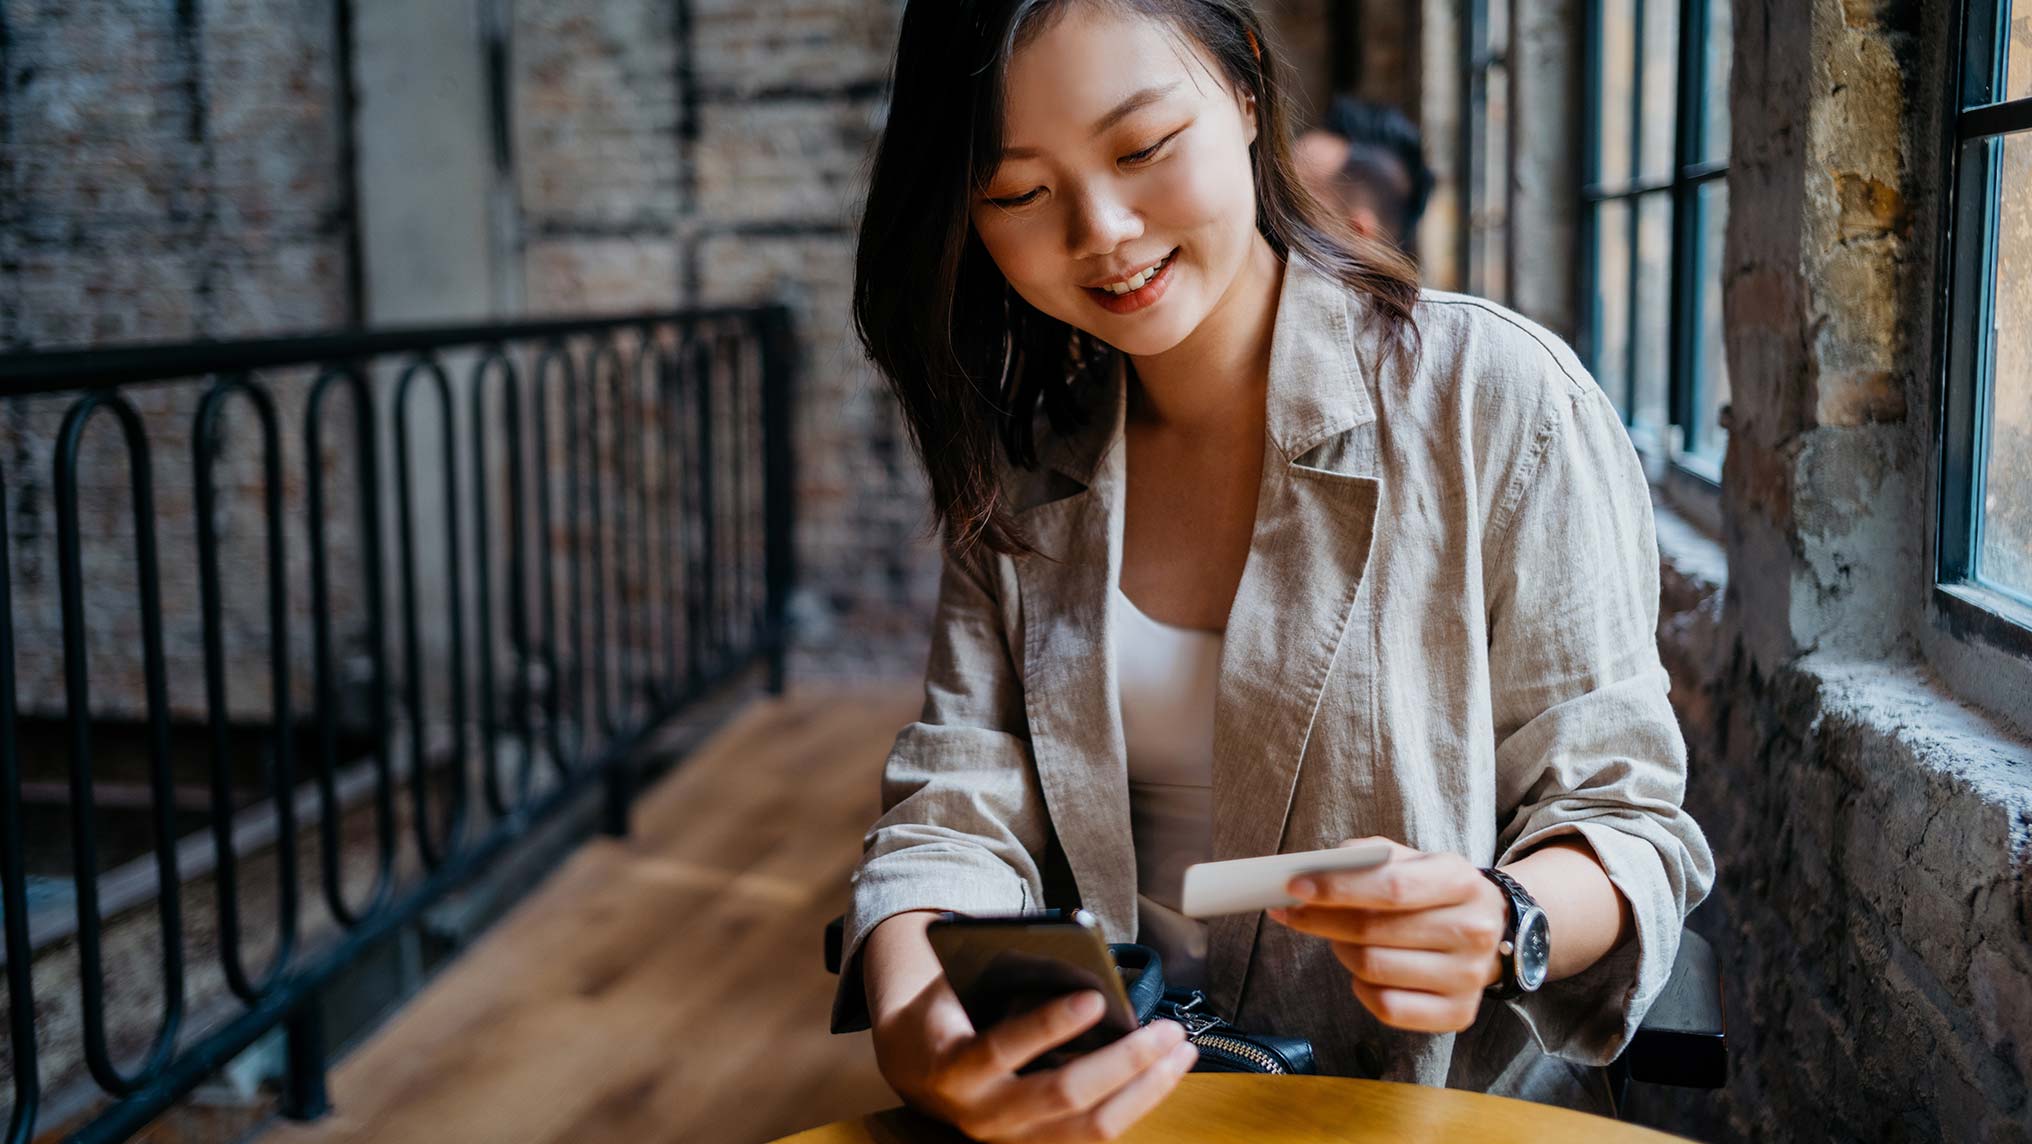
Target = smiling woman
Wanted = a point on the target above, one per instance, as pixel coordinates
(1241, 559)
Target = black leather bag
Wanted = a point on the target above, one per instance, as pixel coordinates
(1222, 1047)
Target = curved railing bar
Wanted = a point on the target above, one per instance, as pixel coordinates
(495, 361)
(419, 745)
(653, 686)
(282, 779)
(689, 378)
(741, 482)
(604, 353)
(368, 492)
(553, 353)
(14, 871)
(710, 650)
(631, 522)
(85, 849)
(518, 579)
(575, 598)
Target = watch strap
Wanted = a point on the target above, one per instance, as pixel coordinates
(1508, 983)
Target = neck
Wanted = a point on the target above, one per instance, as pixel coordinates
(1223, 366)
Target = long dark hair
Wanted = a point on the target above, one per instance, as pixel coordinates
(969, 360)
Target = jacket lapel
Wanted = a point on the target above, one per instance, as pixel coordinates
(1069, 684)
(1307, 552)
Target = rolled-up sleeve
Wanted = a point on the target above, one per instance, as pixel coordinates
(963, 819)
(1587, 741)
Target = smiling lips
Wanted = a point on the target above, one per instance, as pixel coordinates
(1135, 291)
(1135, 281)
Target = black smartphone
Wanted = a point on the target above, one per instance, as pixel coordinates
(1004, 964)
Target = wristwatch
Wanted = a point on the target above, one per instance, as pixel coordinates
(1526, 948)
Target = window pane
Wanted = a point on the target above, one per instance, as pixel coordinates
(1612, 301)
(2018, 69)
(2005, 558)
(1653, 326)
(1715, 101)
(1711, 365)
(1619, 53)
(1661, 90)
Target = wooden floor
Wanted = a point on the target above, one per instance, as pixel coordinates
(667, 987)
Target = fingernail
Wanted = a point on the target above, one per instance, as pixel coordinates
(1184, 1054)
(1276, 915)
(1087, 1004)
(1302, 887)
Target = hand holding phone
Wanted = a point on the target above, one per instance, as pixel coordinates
(969, 1076)
(1003, 965)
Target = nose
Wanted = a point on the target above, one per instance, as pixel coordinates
(1100, 222)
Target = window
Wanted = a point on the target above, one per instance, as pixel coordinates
(1654, 206)
(1485, 148)
(1985, 538)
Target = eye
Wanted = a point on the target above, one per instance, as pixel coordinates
(1023, 199)
(1150, 152)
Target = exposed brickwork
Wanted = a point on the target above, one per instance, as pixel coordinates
(170, 181)
(170, 178)
(165, 178)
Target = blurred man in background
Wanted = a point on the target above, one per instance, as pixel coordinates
(1365, 162)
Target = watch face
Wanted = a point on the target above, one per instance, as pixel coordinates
(1534, 949)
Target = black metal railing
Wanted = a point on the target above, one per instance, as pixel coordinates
(518, 550)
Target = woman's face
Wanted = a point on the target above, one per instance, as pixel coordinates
(1124, 150)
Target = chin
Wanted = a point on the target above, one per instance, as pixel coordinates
(1149, 339)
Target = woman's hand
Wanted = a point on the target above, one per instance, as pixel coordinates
(1419, 933)
(930, 1053)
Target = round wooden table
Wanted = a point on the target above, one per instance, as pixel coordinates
(1218, 1107)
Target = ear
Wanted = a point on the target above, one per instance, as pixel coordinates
(1248, 117)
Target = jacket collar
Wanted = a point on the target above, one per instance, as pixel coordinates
(1308, 550)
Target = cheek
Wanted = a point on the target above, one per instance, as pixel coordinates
(1208, 194)
(1017, 248)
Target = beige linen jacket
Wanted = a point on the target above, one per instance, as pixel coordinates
(1445, 634)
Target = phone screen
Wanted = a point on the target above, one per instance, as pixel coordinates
(1000, 966)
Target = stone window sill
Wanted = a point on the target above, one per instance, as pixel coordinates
(1916, 794)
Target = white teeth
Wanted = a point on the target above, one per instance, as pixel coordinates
(1137, 283)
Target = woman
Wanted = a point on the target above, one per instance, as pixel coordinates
(1251, 547)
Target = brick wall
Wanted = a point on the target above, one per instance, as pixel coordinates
(166, 172)
(174, 178)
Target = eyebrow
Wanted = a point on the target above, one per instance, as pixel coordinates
(1123, 110)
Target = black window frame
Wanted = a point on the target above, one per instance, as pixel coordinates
(1977, 123)
(1685, 372)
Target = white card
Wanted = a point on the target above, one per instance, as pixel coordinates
(1245, 885)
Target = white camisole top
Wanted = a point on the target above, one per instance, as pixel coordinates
(1167, 676)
